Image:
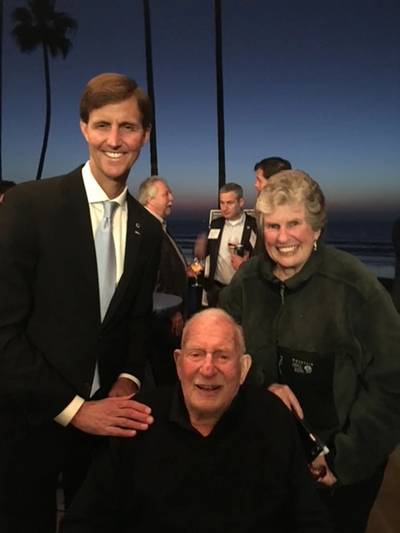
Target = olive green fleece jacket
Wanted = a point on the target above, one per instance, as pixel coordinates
(340, 336)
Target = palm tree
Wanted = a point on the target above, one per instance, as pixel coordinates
(40, 25)
(150, 86)
(1, 86)
(220, 93)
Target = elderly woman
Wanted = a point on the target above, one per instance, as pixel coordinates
(325, 337)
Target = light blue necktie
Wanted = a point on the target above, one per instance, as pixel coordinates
(106, 267)
(105, 254)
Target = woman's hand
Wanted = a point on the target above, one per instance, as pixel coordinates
(288, 397)
(320, 472)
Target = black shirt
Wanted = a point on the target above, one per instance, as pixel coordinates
(248, 475)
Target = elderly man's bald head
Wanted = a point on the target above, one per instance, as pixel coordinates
(215, 314)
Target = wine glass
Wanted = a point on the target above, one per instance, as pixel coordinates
(197, 267)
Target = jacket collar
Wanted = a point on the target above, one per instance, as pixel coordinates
(266, 266)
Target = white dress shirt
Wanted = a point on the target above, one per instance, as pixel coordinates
(231, 234)
(96, 198)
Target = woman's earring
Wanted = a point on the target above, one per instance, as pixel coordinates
(315, 246)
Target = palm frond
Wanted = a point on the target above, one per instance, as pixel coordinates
(39, 24)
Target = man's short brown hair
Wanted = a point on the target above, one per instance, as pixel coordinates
(110, 88)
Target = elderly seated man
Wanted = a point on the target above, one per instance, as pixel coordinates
(219, 457)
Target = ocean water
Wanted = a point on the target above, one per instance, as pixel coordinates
(368, 239)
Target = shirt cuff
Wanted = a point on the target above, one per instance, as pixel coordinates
(132, 378)
(65, 417)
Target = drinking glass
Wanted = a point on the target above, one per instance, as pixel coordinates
(197, 267)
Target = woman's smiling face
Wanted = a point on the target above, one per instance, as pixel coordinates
(288, 238)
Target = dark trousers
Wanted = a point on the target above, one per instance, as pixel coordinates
(350, 505)
(30, 467)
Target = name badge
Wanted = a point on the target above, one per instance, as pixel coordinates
(214, 233)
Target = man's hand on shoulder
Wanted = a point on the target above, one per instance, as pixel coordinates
(114, 417)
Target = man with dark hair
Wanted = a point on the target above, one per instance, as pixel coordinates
(77, 272)
(230, 242)
(266, 168)
(220, 457)
(112, 88)
(4, 186)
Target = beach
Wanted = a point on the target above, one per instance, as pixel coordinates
(367, 239)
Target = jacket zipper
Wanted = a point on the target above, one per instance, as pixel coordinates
(282, 292)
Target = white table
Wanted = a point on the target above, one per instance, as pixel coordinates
(164, 302)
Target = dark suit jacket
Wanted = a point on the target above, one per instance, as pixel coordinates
(172, 278)
(214, 244)
(50, 328)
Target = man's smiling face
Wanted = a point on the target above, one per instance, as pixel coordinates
(210, 366)
(115, 136)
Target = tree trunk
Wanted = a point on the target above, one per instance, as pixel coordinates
(220, 94)
(150, 87)
(48, 111)
(1, 88)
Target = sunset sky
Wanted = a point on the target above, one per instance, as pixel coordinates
(315, 82)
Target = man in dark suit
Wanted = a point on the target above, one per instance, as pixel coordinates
(155, 194)
(70, 363)
(223, 255)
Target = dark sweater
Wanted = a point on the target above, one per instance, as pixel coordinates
(248, 475)
(332, 334)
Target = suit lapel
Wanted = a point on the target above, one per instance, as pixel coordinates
(175, 249)
(246, 232)
(79, 234)
(249, 226)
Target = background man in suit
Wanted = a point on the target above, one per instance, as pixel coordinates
(71, 359)
(155, 194)
(266, 168)
(226, 232)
